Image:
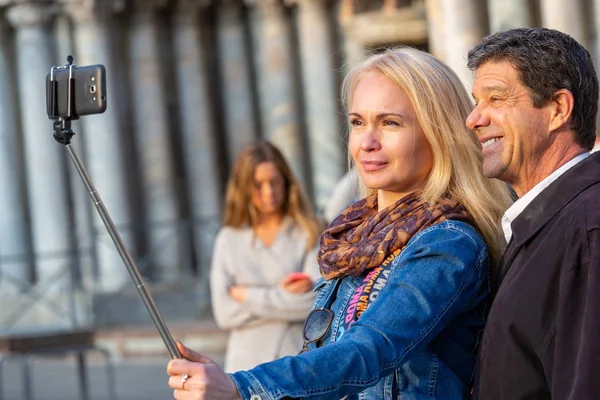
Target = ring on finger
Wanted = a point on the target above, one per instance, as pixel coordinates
(184, 378)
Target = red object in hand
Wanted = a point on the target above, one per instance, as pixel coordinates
(296, 276)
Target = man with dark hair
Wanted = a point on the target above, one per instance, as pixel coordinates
(536, 94)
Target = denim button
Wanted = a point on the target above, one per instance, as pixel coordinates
(255, 397)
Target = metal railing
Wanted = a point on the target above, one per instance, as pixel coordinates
(77, 287)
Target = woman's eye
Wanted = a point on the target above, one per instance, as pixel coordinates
(355, 122)
(388, 122)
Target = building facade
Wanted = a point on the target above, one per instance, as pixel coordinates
(190, 82)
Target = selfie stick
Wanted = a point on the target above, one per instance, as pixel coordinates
(63, 135)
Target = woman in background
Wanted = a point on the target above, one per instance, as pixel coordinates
(264, 260)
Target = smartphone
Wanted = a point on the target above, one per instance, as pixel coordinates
(297, 276)
(89, 91)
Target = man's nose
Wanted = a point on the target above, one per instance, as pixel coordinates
(477, 119)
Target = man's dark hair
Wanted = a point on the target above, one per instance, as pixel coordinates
(547, 60)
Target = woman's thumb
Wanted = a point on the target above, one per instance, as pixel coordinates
(191, 355)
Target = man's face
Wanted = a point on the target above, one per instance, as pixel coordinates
(512, 132)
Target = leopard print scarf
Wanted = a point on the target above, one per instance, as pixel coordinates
(361, 238)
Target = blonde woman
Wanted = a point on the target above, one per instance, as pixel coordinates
(264, 260)
(407, 269)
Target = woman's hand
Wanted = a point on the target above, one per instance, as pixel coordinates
(205, 380)
(238, 293)
(297, 283)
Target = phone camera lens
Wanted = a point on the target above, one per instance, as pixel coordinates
(92, 89)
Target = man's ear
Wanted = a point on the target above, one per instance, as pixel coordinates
(561, 109)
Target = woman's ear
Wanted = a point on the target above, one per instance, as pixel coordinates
(561, 109)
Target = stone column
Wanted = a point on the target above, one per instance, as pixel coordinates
(104, 155)
(14, 240)
(198, 136)
(463, 29)
(277, 87)
(45, 159)
(566, 16)
(595, 51)
(153, 141)
(354, 52)
(354, 49)
(435, 28)
(596, 28)
(235, 81)
(82, 262)
(320, 98)
(508, 14)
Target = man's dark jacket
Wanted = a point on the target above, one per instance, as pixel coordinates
(542, 338)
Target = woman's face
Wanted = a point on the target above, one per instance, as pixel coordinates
(268, 193)
(387, 143)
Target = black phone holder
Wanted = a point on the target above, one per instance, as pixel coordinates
(63, 134)
(62, 127)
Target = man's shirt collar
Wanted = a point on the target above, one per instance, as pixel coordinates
(517, 208)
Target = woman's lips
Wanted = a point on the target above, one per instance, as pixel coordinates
(373, 165)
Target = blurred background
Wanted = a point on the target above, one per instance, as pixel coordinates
(190, 82)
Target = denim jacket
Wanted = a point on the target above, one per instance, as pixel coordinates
(416, 341)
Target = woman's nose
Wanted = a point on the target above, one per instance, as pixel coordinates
(268, 190)
(370, 140)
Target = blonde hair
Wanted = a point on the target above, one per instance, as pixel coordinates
(238, 205)
(441, 105)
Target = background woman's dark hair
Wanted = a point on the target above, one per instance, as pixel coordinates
(547, 60)
(238, 209)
